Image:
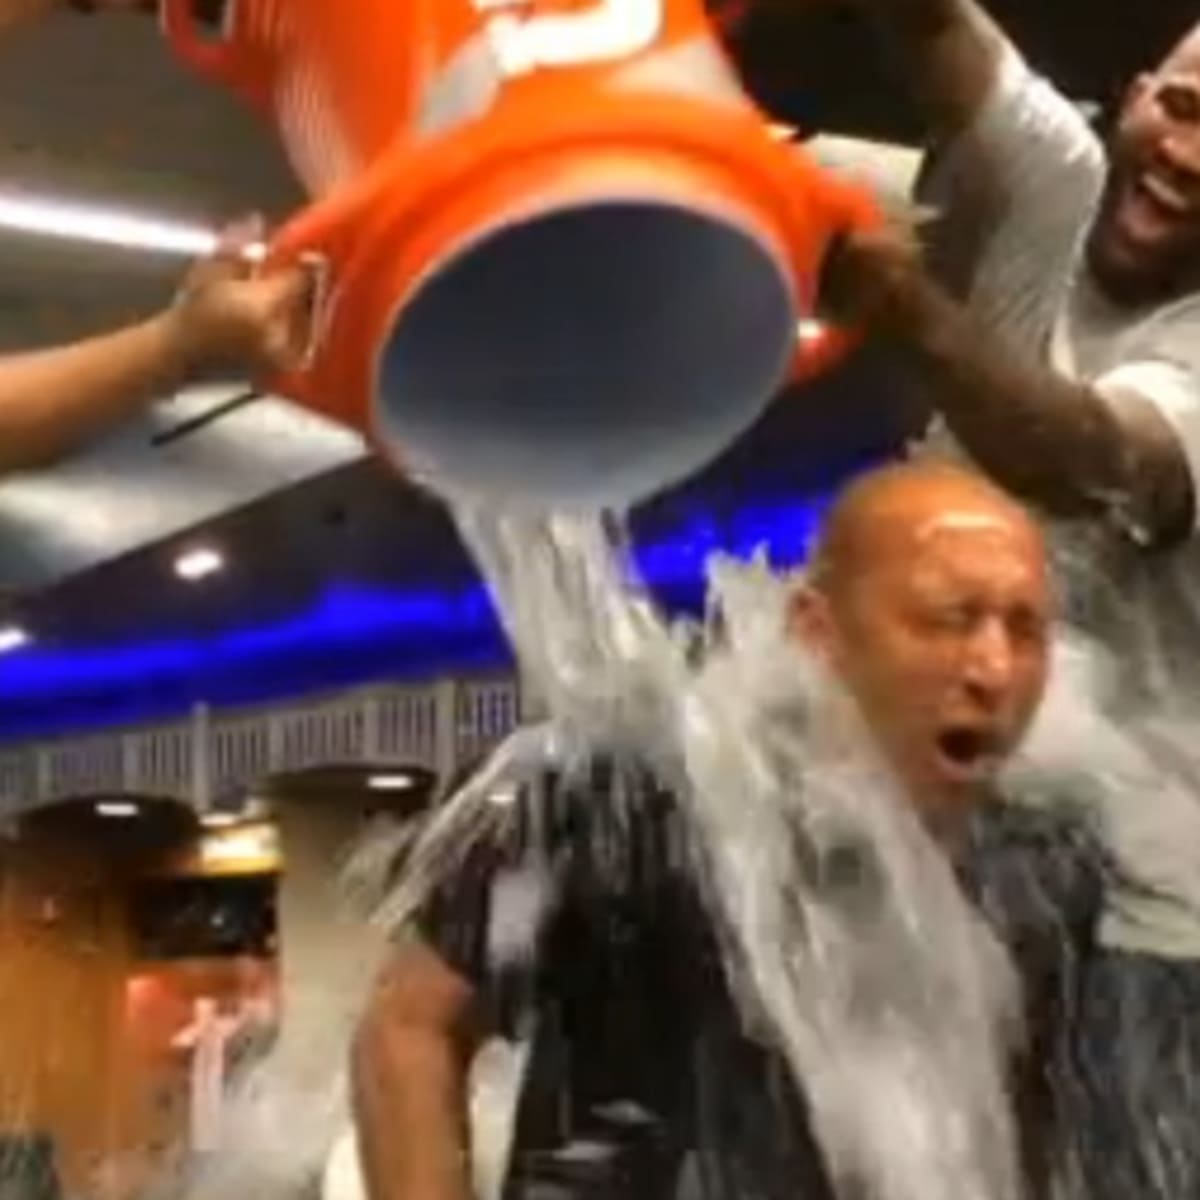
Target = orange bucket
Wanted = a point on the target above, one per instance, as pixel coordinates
(564, 256)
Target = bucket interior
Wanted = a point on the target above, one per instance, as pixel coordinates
(589, 355)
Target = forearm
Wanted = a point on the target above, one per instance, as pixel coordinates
(410, 1111)
(51, 400)
(1047, 438)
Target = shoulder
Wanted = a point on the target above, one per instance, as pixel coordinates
(1174, 330)
(1041, 861)
(1012, 191)
(1025, 127)
(1046, 834)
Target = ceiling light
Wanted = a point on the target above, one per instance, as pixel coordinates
(117, 809)
(809, 331)
(505, 796)
(199, 563)
(219, 819)
(79, 222)
(398, 782)
(12, 637)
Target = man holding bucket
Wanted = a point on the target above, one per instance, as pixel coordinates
(52, 399)
(1069, 369)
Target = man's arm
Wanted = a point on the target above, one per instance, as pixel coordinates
(409, 1074)
(950, 51)
(53, 400)
(1066, 446)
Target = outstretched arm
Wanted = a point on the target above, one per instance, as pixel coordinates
(409, 1071)
(52, 400)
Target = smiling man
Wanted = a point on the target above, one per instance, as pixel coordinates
(1056, 324)
(929, 603)
(1068, 364)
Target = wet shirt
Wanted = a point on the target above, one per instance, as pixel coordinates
(643, 1079)
(1018, 191)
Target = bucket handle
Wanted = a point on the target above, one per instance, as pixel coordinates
(822, 345)
(313, 241)
(218, 58)
(297, 382)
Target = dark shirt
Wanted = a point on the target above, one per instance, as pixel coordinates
(632, 1003)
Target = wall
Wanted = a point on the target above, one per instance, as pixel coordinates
(63, 954)
(86, 1030)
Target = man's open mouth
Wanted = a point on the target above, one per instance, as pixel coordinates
(1165, 194)
(968, 750)
(1156, 207)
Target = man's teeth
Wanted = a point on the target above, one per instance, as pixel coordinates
(1164, 194)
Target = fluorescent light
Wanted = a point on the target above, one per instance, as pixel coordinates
(117, 809)
(78, 222)
(198, 563)
(12, 637)
(399, 782)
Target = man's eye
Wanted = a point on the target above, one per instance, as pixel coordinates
(1027, 627)
(1180, 103)
(949, 620)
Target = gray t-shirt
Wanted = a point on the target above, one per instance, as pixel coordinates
(1018, 192)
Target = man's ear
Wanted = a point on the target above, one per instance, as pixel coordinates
(810, 621)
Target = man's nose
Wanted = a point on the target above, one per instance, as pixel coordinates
(1180, 151)
(989, 660)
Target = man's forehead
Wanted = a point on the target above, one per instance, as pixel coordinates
(966, 549)
(964, 530)
(1183, 63)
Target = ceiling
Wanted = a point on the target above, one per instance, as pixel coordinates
(94, 109)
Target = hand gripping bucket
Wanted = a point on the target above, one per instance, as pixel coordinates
(563, 255)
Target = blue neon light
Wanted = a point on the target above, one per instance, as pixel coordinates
(350, 635)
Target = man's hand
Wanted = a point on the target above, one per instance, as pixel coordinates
(225, 312)
(874, 280)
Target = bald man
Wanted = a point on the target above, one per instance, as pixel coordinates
(929, 602)
(1070, 366)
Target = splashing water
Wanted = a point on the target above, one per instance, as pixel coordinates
(890, 1000)
(896, 1014)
